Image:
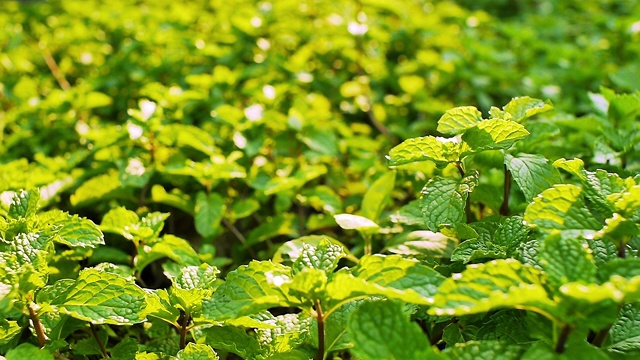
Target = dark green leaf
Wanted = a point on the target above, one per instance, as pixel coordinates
(532, 173)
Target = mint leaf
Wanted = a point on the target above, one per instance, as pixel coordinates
(484, 350)
(561, 208)
(493, 285)
(566, 260)
(355, 222)
(24, 204)
(197, 352)
(292, 249)
(399, 273)
(455, 121)
(625, 332)
(410, 214)
(436, 149)
(79, 232)
(173, 247)
(287, 333)
(424, 243)
(120, 221)
(378, 195)
(192, 285)
(250, 289)
(8, 330)
(28, 351)
(532, 173)
(380, 330)
(209, 210)
(337, 336)
(524, 107)
(324, 256)
(592, 306)
(98, 297)
(175, 198)
(443, 201)
(232, 339)
(476, 249)
(511, 233)
(494, 134)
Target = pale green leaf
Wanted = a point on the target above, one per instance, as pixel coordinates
(425, 243)
(380, 330)
(525, 107)
(532, 173)
(561, 208)
(96, 189)
(243, 208)
(197, 352)
(493, 285)
(457, 120)
(287, 333)
(120, 221)
(182, 135)
(232, 339)
(356, 222)
(436, 149)
(283, 224)
(99, 297)
(589, 305)
(8, 330)
(378, 195)
(410, 214)
(494, 134)
(175, 198)
(308, 284)
(209, 210)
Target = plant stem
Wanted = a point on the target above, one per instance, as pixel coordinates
(467, 204)
(42, 339)
(183, 331)
(94, 332)
(368, 247)
(562, 339)
(504, 208)
(320, 320)
(598, 340)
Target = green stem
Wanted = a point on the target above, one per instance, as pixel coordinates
(94, 332)
(504, 208)
(562, 339)
(320, 320)
(368, 247)
(42, 339)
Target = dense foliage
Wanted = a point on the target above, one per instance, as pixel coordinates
(319, 179)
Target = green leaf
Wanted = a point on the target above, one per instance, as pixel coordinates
(120, 221)
(209, 210)
(625, 332)
(355, 222)
(243, 208)
(8, 330)
(484, 350)
(291, 250)
(173, 247)
(79, 232)
(399, 273)
(99, 297)
(476, 249)
(532, 173)
(250, 289)
(380, 330)
(197, 352)
(378, 195)
(125, 349)
(287, 333)
(589, 305)
(28, 351)
(443, 201)
(410, 214)
(159, 306)
(493, 285)
(174, 198)
(324, 256)
(525, 107)
(308, 284)
(336, 334)
(566, 260)
(182, 135)
(561, 208)
(458, 120)
(511, 233)
(96, 189)
(191, 286)
(24, 204)
(494, 134)
(283, 224)
(322, 198)
(436, 149)
(232, 339)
